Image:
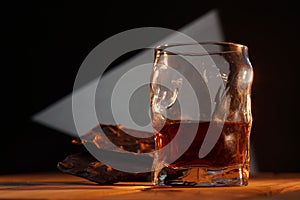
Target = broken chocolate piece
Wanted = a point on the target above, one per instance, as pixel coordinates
(84, 165)
(121, 137)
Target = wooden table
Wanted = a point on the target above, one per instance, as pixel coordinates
(62, 186)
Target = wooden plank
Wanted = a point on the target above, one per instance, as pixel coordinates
(62, 186)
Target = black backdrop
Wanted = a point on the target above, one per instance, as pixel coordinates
(45, 43)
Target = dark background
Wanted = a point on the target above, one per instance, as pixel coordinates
(45, 43)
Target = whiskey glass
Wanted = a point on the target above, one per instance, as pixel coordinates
(200, 102)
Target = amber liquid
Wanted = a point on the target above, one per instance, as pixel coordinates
(231, 148)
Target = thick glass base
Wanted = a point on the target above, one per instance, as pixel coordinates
(237, 175)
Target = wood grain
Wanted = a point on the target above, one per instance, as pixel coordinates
(63, 186)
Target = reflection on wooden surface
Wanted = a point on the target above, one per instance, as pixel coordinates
(62, 186)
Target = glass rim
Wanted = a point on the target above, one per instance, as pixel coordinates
(164, 48)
